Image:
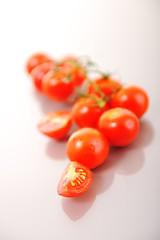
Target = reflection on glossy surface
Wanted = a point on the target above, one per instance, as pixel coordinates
(48, 105)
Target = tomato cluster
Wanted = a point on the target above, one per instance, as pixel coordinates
(56, 80)
(107, 114)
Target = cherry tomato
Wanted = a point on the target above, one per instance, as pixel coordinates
(75, 180)
(56, 124)
(88, 146)
(133, 98)
(57, 85)
(35, 60)
(107, 85)
(78, 73)
(119, 125)
(39, 71)
(87, 111)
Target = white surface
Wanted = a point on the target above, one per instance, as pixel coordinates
(123, 202)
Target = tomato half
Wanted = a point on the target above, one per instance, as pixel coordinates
(39, 71)
(88, 146)
(107, 85)
(86, 112)
(57, 85)
(75, 180)
(35, 60)
(56, 124)
(133, 98)
(119, 125)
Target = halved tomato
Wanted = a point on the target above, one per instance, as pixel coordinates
(75, 180)
(56, 124)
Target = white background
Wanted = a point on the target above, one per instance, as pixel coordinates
(123, 201)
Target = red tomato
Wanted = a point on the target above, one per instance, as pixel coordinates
(119, 125)
(86, 112)
(75, 180)
(35, 60)
(107, 85)
(39, 71)
(78, 73)
(88, 146)
(56, 124)
(57, 85)
(133, 98)
(78, 76)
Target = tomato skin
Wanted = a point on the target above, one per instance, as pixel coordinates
(56, 124)
(78, 76)
(39, 71)
(35, 60)
(57, 86)
(75, 180)
(85, 113)
(119, 125)
(88, 146)
(71, 65)
(107, 85)
(133, 98)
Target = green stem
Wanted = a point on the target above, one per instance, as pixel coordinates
(100, 102)
(68, 78)
(81, 94)
(96, 87)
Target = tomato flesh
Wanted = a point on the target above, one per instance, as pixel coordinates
(119, 125)
(75, 180)
(88, 146)
(56, 124)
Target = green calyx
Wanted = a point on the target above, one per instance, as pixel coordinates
(100, 102)
(81, 94)
(55, 70)
(106, 76)
(96, 86)
(77, 65)
(68, 78)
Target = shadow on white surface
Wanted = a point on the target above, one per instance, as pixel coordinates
(125, 161)
(76, 208)
(146, 134)
(56, 150)
(48, 105)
